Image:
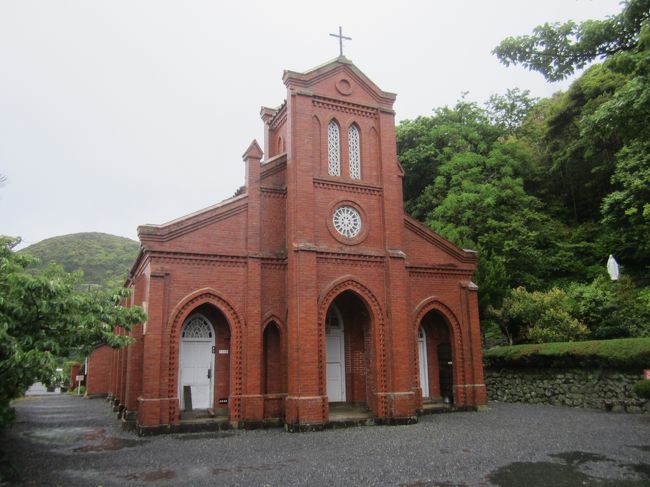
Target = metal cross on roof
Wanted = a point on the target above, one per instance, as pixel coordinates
(341, 37)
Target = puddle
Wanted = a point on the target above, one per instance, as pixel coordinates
(580, 457)
(575, 468)
(62, 435)
(109, 444)
(153, 476)
(539, 474)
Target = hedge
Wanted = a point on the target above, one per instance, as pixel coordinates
(622, 353)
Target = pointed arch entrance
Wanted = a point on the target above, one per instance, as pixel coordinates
(348, 350)
(204, 360)
(435, 358)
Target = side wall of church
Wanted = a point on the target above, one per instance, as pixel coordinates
(99, 371)
(453, 296)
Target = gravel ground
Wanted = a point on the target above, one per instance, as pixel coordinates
(72, 441)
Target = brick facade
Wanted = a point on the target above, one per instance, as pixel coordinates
(98, 375)
(265, 267)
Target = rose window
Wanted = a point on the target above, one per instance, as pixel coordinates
(347, 221)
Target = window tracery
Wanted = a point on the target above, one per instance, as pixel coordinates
(197, 327)
(354, 148)
(333, 149)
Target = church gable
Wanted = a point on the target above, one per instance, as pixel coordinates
(424, 247)
(341, 80)
(220, 228)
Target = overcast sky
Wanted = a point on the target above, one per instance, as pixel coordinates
(120, 113)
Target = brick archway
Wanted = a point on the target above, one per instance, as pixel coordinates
(458, 349)
(178, 316)
(378, 332)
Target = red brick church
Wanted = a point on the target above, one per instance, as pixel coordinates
(312, 288)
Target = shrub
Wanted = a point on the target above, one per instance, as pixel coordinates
(540, 316)
(642, 388)
(622, 353)
(611, 309)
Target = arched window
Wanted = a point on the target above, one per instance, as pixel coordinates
(197, 327)
(280, 145)
(333, 149)
(354, 145)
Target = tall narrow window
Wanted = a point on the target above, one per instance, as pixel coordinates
(333, 149)
(355, 152)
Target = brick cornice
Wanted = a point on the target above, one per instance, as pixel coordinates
(338, 185)
(438, 271)
(345, 258)
(279, 117)
(161, 257)
(225, 260)
(273, 192)
(345, 107)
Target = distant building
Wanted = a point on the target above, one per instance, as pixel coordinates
(311, 288)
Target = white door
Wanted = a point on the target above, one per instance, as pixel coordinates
(196, 371)
(335, 347)
(424, 365)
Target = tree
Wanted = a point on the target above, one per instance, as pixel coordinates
(425, 143)
(46, 315)
(471, 189)
(599, 138)
(557, 49)
(510, 110)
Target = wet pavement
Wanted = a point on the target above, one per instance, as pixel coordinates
(73, 441)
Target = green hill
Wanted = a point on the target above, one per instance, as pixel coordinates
(104, 259)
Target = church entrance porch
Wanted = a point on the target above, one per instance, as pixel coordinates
(435, 361)
(204, 364)
(348, 356)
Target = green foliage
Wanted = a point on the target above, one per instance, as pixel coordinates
(80, 390)
(611, 308)
(538, 317)
(509, 111)
(642, 388)
(626, 353)
(546, 189)
(67, 368)
(427, 142)
(104, 259)
(557, 50)
(44, 315)
(596, 141)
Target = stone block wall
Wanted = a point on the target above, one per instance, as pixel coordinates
(610, 390)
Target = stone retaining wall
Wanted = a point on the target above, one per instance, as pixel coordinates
(610, 390)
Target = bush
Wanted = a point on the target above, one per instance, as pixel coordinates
(539, 317)
(622, 353)
(642, 388)
(611, 309)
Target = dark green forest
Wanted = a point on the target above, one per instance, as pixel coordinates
(104, 259)
(546, 189)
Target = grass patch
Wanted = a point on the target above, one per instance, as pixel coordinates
(623, 353)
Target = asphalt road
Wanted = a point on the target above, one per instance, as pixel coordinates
(71, 441)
